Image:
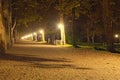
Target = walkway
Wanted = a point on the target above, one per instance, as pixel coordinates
(30, 61)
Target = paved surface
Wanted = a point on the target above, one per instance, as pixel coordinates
(29, 61)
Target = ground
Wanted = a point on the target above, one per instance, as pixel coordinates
(30, 61)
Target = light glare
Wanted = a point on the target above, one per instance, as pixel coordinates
(41, 31)
(60, 26)
(116, 35)
(34, 33)
(26, 36)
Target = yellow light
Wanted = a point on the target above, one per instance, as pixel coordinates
(60, 26)
(34, 33)
(43, 35)
(62, 32)
(116, 35)
(41, 31)
(22, 38)
(27, 36)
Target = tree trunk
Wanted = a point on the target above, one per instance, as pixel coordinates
(93, 41)
(108, 26)
(2, 33)
(12, 31)
(61, 16)
(10, 23)
(93, 37)
(88, 36)
(74, 27)
(7, 14)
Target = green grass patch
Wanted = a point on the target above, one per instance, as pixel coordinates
(97, 46)
(101, 48)
(88, 47)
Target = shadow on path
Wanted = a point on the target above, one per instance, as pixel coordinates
(26, 58)
(36, 62)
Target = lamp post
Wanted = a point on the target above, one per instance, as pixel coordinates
(62, 32)
(43, 35)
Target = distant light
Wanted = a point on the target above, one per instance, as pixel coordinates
(26, 36)
(41, 31)
(60, 26)
(34, 33)
(22, 38)
(116, 35)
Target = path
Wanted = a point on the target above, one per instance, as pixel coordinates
(29, 61)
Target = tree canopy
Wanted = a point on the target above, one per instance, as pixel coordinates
(46, 12)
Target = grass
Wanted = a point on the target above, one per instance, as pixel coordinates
(117, 48)
(96, 46)
(99, 47)
(65, 45)
(90, 45)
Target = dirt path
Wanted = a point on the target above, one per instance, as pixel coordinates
(46, 62)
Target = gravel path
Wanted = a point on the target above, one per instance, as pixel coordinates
(46, 62)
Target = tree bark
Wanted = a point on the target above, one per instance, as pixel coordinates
(3, 46)
(93, 37)
(12, 31)
(74, 27)
(108, 26)
(88, 35)
(61, 18)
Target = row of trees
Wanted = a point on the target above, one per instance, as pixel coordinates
(100, 19)
(5, 25)
(87, 18)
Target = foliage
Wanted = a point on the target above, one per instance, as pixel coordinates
(46, 12)
(24, 11)
(66, 6)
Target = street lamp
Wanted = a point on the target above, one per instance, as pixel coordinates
(43, 35)
(34, 34)
(62, 32)
(116, 35)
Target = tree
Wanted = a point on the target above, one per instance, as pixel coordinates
(3, 45)
(26, 12)
(65, 7)
(91, 9)
(7, 20)
(23, 13)
(108, 26)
